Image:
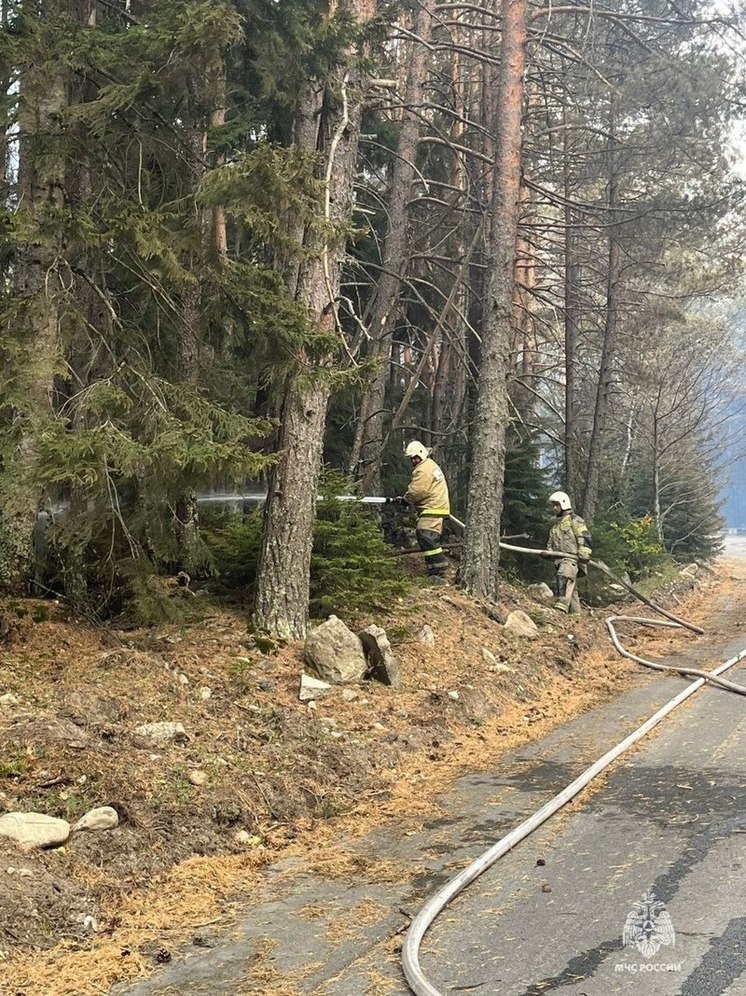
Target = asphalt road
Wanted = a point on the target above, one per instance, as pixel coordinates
(671, 820)
(550, 916)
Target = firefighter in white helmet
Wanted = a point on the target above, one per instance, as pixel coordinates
(569, 534)
(428, 492)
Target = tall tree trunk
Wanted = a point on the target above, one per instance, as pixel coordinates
(572, 316)
(367, 450)
(608, 350)
(42, 106)
(479, 567)
(331, 120)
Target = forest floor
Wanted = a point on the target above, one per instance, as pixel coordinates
(278, 777)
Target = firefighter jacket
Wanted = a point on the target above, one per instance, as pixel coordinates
(569, 534)
(428, 492)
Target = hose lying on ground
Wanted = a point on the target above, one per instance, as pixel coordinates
(417, 980)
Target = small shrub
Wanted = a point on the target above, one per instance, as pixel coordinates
(630, 546)
(351, 566)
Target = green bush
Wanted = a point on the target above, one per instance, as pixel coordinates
(234, 542)
(630, 546)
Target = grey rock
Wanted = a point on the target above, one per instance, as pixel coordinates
(349, 695)
(426, 636)
(163, 732)
(335, 653)
(520, 624)
(34, 830)
(9, 699)
(312, 688)
(205, 693)
(541, 592)
(101, 818)
(384, 666)
(454, 695)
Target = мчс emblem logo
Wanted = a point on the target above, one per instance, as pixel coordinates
(648, 926)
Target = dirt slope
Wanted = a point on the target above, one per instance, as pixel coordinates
(279, 774)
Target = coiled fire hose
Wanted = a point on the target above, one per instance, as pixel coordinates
(417, 980)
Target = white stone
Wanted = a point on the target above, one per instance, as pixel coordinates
(499, 668)
(520, 624)
(454, 696)
(32, 830)
(312, 705)
(205, 693)
(328, 722)
(9, 699)
(378, 726)
(162, 732)
(243, 837)
(101, 818)
(183, 679)
(197, 777)
(349, 695)
(426, 636)
(312, 688)
(489, 656)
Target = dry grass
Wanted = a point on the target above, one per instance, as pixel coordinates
(496, 713)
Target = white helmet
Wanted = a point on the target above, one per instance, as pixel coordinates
(416, 449)
(562, 500)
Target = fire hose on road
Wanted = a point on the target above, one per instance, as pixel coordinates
(417, 980)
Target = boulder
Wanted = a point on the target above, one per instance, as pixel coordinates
(541, 592)
(384, 666)
(163, 732)
(101, 818)
(34, 830)
(335, 653)
(312, 688)
(520, 624)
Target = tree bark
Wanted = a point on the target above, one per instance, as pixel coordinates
(608, 350)
(41, 182)
(572, 317)
(331, 121)
(479, 569)
(367, 450)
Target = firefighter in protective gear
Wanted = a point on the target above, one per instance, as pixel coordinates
(428, 492)
(569, 534)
